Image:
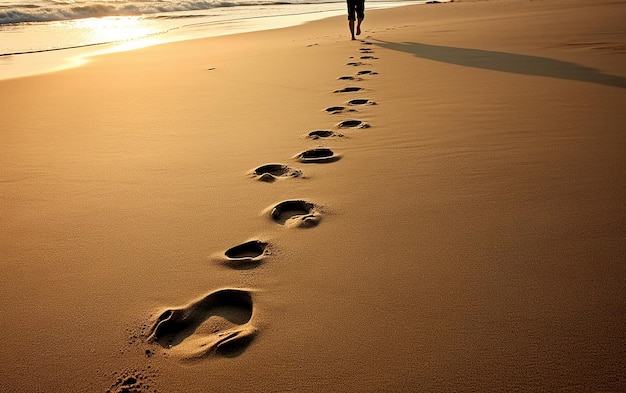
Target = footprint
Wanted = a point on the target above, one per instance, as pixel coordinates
(348, 78)
(348, 89)
(271, 172)
(369, 57)
(317, 134)
(246, 255)
(317, 155)
(361, 101)
(339, 109)
(296, 213)
(217, 324)
(367, 72)
(353, 124)
(355, 63)
(335, 109)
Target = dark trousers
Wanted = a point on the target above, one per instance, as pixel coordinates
(356, 7)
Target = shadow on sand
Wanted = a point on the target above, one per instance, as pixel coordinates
(507, 62)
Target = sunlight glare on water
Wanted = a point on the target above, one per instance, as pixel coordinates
(112, 29)
(36, 36)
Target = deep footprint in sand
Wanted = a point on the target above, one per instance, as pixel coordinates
(355, 63)
(353, 124)
(217, 324)
(296, 213)
(321, 134)
(317, 155)
(348, 89)
(335, 109)
(361, 101)
(368, 57)
(271, 172)
(338, 109)
(246, 255)
(367, 72)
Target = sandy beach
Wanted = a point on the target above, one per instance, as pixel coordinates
(457, 223)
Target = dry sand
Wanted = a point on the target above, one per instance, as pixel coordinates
(471, 239)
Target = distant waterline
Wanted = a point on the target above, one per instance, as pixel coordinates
(30, 27)
(27, 11)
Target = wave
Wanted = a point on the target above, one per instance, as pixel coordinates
(68, 10)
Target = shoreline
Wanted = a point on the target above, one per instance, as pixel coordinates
(465, 235)
(28, 63)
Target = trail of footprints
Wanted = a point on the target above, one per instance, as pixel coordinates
(221, 323)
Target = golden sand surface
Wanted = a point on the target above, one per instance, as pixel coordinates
(464, 232)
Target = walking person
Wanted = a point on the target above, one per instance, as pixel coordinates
(356, 11)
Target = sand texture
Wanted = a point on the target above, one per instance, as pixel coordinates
(438, 206)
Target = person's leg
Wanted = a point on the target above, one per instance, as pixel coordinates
(351, 16)
(351, 26)
(360, 14)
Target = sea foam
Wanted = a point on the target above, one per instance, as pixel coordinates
(57, 11)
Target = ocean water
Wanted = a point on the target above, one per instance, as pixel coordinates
(31, 27)
(28, 26)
